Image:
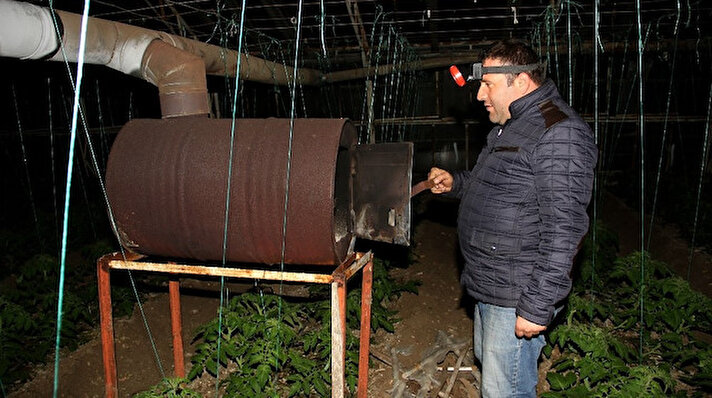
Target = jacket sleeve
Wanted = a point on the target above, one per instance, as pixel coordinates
(563, 165)
(459, 178)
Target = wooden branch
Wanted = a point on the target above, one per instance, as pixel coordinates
(453, 376)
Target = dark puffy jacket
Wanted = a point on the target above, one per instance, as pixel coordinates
(523, 206)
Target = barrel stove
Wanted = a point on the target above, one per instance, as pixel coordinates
(167, 184)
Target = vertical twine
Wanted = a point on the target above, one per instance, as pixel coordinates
(65, 222)
(227, 194)
(642, 177)
(596, 38)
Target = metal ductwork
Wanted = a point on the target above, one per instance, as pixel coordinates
(175, 64)
(167, 185)
(180, 78)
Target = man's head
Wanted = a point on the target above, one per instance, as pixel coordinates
(499, 90)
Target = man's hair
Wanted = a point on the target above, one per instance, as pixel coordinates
(516, 52)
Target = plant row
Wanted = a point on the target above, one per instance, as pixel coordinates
(28, 304)
(631, 329)
(265, 345)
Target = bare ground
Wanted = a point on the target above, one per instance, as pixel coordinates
(435, 325)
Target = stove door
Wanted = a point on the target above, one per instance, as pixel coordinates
(381, 191)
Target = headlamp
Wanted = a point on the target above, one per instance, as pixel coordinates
(478, 71)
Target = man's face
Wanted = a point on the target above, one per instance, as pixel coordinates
(495, 93)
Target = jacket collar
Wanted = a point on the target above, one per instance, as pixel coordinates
(547, 90)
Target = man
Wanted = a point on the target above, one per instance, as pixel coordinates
(522, 215)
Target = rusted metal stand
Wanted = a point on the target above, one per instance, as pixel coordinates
(337, 279)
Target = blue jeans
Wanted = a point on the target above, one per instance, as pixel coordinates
(509, 363)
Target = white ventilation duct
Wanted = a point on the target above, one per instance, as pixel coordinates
(175, 64)
(26, 31)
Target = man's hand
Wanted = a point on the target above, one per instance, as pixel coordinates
(524, 328)
(442, 180)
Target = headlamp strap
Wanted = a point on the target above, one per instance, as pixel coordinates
(478, 70)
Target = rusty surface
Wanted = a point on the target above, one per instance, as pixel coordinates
(365, 330)
(108, 349)
(421, 186)
(229, 272)
(382, 192)
(176, 327)
(167, 182)
(338, 334)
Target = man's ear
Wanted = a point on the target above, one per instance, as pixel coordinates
(523, 82)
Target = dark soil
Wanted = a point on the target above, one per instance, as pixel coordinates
(439, 308)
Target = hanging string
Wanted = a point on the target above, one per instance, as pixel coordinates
(596, 38)
(665, 124)
(614, 142)
(268, 50)
(70, 164)
(369, 132)
(325, 66)
(102, 133)
(401, 109)
(387, 81)
(328, 90)
(568, 43)
(321, 31)
(85, 195)
(219, 5)
(51, 157)
(369, 86)
(295, 81)
(551, 18)
(607, 112)
(130, 115)
(553, 22)
(223, 58)
(66, 105)
(304, 102)
(413, 86)
(641, 121)
(277, 88)
(549, 64)
(227, 194)
(25, 162)
(608, 152)
(703, 165)
(394, 85)
(697, 42)
(399, 45)
(112, 219)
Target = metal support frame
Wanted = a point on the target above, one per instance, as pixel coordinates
(337, 279)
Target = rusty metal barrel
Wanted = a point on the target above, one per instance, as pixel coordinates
(167, 180)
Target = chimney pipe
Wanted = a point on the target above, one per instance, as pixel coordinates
(27, 32)
(180, 78)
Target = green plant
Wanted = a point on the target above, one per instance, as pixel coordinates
(600, 342)
(701, 374)
(274, 347)
(29, 294)
(169, 388)
(256, 332)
